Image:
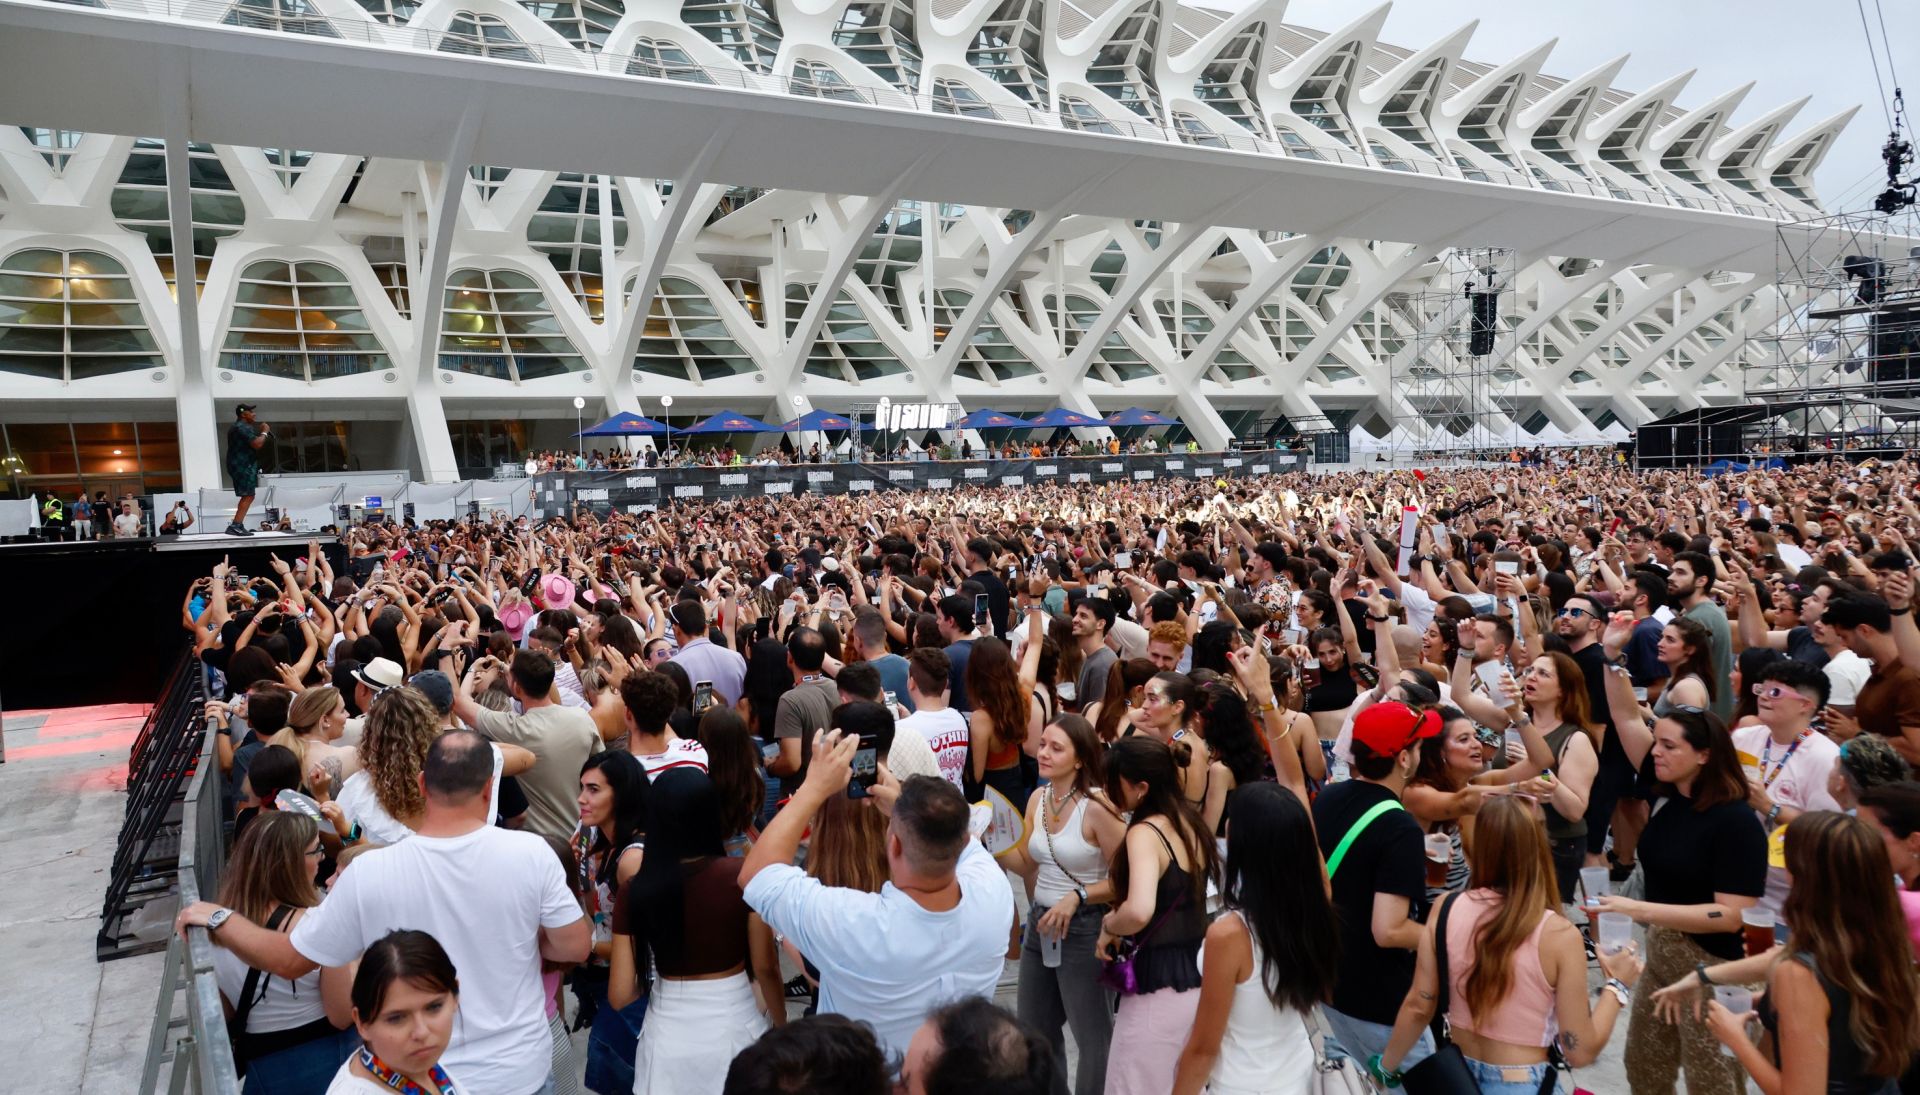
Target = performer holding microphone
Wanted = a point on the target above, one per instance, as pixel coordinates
(244, 438)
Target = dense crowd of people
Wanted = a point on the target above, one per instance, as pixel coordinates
(653, 453)
(1438, 779)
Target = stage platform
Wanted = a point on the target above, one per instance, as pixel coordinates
(98, 621)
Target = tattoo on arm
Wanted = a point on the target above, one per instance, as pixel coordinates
(1569, 1041)
(1715, 915)
(1426, 996)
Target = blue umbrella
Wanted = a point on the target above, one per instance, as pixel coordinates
(824, 420)
(1060, 416)
(627, 424)
(986, 418)
(731, 422)
(1134, 416)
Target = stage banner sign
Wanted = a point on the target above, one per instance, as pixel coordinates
(642, 490)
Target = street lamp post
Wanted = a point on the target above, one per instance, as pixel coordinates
(580, 424)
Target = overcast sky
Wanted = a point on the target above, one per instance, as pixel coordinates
(1789, 49)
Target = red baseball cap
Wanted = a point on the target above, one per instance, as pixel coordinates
(1389, 728)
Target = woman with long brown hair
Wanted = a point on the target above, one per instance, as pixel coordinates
(1516, 968)
(1126, 688)
(1158, 882)
(1073, 832)
(1000, 722)
(1704, 858)
(383, 800)
(1686, 649)
(1553, 700)
(1842, 1007)
(295, 1033)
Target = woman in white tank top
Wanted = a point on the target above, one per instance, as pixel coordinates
(1072, 833)
(1269, 959)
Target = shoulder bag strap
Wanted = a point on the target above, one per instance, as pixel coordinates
(1444, 910)
(1340, 850)
(252, 990)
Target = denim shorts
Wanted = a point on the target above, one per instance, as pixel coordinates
(1509, 1079)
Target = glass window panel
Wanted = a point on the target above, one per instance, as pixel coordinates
(15, 285)
(32, 340)
(328, 296)
(80, 368)
(50, 368)
(48, 314)
(250, 292)
(105, 315)
(109, 341)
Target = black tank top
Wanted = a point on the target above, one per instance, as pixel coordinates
(1847, 1072)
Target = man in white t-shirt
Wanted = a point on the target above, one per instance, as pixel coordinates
(650, 700)
(937, 930)
(1786, 760)
(496, 900)
(1847, 672)
(944, 729)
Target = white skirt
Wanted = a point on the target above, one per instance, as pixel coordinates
(692, 1031)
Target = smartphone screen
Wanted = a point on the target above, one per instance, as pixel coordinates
(1124, 560)
(892, 699)
(980, 609)
(769, 752)
(1506, 566)
(703, 697)
(866, 766)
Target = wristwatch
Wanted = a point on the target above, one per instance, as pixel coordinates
(217, 918)
(1620, 990)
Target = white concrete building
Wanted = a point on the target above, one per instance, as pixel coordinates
(418, 230)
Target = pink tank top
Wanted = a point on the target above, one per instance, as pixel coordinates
(1526, 1015)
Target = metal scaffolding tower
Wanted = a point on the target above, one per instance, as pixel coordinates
(1456, 389)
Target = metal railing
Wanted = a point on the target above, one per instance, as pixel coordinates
(629, 66)
(190, 1045)
(165, 758)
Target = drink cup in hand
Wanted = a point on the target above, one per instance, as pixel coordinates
(1596, 882)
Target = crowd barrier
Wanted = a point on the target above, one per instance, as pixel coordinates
(642, 489)
(166, 756)
(174, 846)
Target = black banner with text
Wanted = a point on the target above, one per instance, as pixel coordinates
(642, 489)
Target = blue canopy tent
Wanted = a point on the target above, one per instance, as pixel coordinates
(730, 422)
(1135, 416)
(1062, 417)
(986, 418)
(627, 424)
(824, 420)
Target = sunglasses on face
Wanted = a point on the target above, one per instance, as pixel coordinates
(1573, 612)
(1776, 692)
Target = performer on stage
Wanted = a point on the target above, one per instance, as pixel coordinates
(244, 437)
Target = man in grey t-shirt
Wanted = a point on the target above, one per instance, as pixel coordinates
(807, 707)
(1092, 620)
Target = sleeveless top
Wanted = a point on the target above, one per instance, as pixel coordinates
(1526, 1015)
(1663, 706)
(599, 882)
(1170, 950)
(1846, 1062)
(1265, 1048)
(1056, 856)
(1561, 828)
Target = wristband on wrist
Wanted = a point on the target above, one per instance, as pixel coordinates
(1700, 971)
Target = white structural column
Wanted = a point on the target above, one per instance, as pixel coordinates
(661, 235)
(199, 430)
(1003, 265)
(424, 410)
(841, 254)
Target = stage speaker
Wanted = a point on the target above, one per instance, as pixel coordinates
(1486, 318)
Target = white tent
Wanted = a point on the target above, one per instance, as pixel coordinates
(1615, 432)
(1359, 441)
